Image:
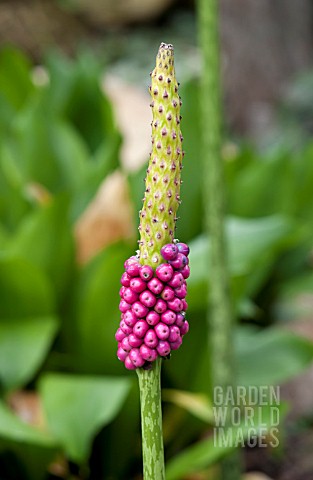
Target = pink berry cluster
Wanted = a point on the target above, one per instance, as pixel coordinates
(153, 307)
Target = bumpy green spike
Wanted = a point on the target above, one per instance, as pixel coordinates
(161, 200)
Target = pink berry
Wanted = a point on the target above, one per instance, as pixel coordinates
(133, 269)
(177, 344)
(162, 331)
(160, 306)
(121, 354)
(137, 285)
(125, 279)
(183, 248)
(151, 340)
(130, 261)
(136, 358)
(179, 319)
(152, 318)
(121, 292)
(169, 251)
(147, 298)
(134, 341)
(184, 328)
(185, 305)
(181, 292)
(176, 305)
(147, 353)
(186, 271)
(146, 273)
(140, 329)
(120, 335)
(130, 296)
(163, 348)
(174, 334)
(139, 310)
(124, 306)
(168, 294)
(125, 345)
(129, 318)
(179, 262)
(168, 317)
(156, 286)
(129, 364)
(164, 272)
(125, 328)
(176, 281)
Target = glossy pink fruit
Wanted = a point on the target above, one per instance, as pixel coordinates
(134, 341)
(160, 306)
(147, 353)
(153, 318)
(148, 299)
(137, 284)
(136, 358)
(163, 348)
(146, 273)
(164, 272)
(140, 329)
(125, 279)
(169, 251)
(176, 281)
(151, 339)
(139, 309)
(130, 296)
(156, 286)
(129, 364)
(168, 317)
(183, 248)
(162, 331)
(176, 305)
(124, 306)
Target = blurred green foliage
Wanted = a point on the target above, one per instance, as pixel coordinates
(58, 318)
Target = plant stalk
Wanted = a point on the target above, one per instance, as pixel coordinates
(151, 421)
(220, 314)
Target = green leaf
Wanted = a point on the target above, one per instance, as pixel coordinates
(252, 245)
(77, 407)
(24, 289)
(96, 311)
(205, 453)
(271, 356)
(45, 239)
(15, 79)
(24, 343)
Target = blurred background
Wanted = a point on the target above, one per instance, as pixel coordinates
(74, 142)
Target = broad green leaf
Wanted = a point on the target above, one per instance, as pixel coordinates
(24, 343)
(15, 79)
(253, 192)
(271, 356)
(45, 239)
(77, 407)
(252, 245)
(25, 291)
(206, 453)
(96, 301)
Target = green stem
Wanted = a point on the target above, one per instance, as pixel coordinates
(151, 421)
(220, 315)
